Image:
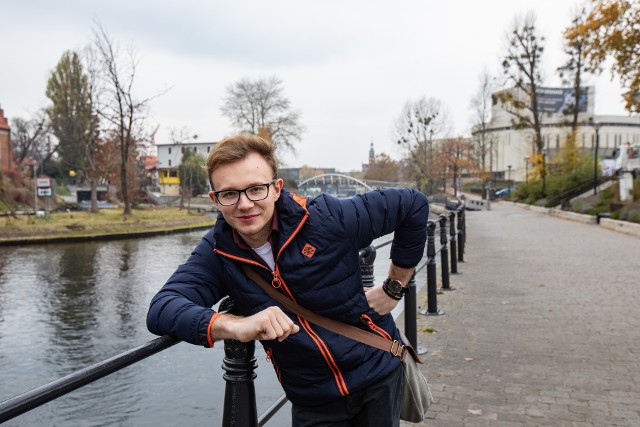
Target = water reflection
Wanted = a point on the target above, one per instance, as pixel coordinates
(67, 280)
(66, 306)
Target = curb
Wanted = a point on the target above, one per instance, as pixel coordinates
(625, 227)
(111, 236)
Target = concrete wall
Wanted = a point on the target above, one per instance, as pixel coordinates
(625, 227)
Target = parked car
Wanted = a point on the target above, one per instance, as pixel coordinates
(504, 192)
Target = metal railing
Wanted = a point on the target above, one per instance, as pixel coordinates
(239, 363)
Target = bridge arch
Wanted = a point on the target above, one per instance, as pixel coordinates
(341, 185)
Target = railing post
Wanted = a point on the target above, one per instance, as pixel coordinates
(461, 232)
(432, 281)
(410, 322)
(444, 253)
(452, 242)
(367, 258)
(239, 363)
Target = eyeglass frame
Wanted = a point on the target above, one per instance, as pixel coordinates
(267, 184)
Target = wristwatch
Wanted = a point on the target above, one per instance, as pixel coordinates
(394, 288)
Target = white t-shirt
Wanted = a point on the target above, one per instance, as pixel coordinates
(266, 253)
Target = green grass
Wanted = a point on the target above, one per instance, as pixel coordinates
(104, 222)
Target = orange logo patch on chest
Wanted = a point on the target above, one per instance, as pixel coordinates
(308, 250)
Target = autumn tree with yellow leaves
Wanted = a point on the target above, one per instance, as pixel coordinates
(612, 31)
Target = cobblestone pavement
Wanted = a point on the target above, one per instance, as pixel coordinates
(542, 329)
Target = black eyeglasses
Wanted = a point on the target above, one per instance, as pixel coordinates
(254, 193)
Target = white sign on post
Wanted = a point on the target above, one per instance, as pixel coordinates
(44, 192)
(43, 182)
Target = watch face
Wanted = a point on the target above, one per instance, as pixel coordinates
(395, 286)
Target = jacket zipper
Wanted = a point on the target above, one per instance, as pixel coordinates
(269, 358)
(278, 283)
(364, 318)
(322, 346)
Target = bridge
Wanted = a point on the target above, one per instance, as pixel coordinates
(342, 185)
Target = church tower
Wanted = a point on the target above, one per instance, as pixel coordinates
(372, 155)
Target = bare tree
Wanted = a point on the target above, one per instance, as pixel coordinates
(94, 146)
(481, 106)
(259, 107)
(415, 129)
(522, 67)
(572, 71)
(30, 139)
(119, 107)
(181, 135)
(455, 155)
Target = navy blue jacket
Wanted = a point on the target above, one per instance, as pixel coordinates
(317, 264)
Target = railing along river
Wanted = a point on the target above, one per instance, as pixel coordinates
(239, 362)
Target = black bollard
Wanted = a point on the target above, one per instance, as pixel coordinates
(432, 281)
(367, 258)
(452, 242)
(461, 235)
(239, 365)
(444, 253)
(410, 323)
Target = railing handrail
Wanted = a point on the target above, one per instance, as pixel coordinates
(32, 399)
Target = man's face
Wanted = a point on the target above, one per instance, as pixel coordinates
(251, 219)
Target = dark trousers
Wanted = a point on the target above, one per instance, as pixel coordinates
(377, 405)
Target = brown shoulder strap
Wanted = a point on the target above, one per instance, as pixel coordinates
(394, 347)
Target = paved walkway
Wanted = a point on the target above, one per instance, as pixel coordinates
(543, 328)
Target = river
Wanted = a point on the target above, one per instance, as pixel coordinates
(67, 306)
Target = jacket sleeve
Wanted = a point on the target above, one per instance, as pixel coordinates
(182, 308)
(404, 212)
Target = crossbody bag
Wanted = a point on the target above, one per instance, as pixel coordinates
(416, 396)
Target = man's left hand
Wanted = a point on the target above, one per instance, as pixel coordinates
(379, 301)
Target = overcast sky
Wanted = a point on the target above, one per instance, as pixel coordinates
(347, 66)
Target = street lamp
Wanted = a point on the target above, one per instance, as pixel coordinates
(596, 126)
(526, 170)
(595, 162)
(544, 172)
(35, 190)
(509, 178)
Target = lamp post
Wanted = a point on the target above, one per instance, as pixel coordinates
(509, 179)
(526, 170)
(595, 161)
(596, 126)
(544, 172)
(35, 190)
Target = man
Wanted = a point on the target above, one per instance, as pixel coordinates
(308, 249)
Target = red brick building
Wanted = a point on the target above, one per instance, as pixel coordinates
(6, 155)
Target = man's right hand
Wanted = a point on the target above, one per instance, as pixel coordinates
(269, 324)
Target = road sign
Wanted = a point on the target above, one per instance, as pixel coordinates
(45, 192)
(43, 182)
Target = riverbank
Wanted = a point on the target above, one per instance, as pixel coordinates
(103, 225)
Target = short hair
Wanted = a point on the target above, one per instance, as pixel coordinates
(237, 147)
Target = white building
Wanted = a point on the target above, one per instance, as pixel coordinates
(513, 146)
(169, 156)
